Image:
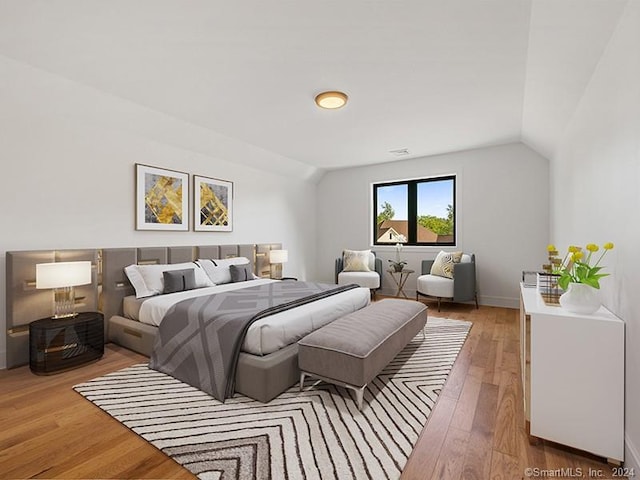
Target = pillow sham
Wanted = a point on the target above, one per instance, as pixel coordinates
(148, 280)
(241, 273)
(443, 264)
(179, 280)
(358, 261)
(218, 269)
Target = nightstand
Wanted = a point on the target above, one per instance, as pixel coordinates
(61, 344)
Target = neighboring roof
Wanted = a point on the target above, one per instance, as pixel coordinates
(425, 235)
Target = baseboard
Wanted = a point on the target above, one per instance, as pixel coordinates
(489, 301)
(631, 456)
(505, 302)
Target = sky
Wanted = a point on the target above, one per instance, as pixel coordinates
(433, 198)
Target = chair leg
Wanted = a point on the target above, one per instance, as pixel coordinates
(438, 303)
(476, 298)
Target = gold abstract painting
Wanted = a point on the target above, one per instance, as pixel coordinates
(162, 199)
(214, 199)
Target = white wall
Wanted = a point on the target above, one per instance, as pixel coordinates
(502, 214)
(595, 185)
(67, 156)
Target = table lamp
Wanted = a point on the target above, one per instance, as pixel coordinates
(278, 257)
(62, 277)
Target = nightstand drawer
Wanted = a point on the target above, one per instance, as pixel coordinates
(56, 345)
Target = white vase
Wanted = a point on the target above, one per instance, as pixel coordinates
(580, 298)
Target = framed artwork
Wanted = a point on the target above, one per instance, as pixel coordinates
(212, 204)
(162, 199)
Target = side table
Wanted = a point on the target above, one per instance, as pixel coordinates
(61, 344)
(400, 278)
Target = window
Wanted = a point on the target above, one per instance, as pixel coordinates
(415, 212)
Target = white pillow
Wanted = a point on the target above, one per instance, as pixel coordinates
(443, 264)
(148, 280)
(218, 269)
(358, 261)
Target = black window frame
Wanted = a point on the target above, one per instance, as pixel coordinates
(412, 211)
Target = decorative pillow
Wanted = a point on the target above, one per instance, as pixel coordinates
(134, 276)
(218, 269)
(179, 280)
(241, 273)
(443, 264)
(358, 261)
(148, 280)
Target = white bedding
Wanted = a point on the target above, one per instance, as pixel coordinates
(275, 331)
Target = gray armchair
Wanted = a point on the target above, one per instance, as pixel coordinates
(460, 288)
(371, 279)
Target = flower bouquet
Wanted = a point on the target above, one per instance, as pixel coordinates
(576, 268)
(397, 265)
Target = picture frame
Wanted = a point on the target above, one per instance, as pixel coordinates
(212, 204)
(162, 199)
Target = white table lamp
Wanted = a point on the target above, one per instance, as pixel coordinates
(278, 257)
(62, 277)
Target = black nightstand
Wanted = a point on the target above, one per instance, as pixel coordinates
(61, 344)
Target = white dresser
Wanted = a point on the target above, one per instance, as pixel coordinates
(573, 376)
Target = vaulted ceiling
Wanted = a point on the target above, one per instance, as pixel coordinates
(430, 76)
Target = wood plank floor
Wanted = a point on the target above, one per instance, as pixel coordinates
(476, 430)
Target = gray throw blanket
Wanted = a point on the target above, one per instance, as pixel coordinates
(199, 339)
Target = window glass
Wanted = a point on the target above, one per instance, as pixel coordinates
(391, 219)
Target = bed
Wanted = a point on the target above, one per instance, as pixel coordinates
(267, 364)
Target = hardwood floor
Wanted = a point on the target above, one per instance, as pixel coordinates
(476, 430)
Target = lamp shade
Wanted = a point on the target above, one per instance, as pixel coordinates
(278, 256)
(62, 274)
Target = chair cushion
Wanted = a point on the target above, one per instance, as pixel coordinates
(435, 286)
(443, 264)
(364, 279)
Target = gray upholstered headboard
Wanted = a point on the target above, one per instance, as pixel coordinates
(109, 284)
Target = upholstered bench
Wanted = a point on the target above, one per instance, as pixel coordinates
(352, 350)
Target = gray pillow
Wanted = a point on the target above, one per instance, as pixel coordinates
(179, 280)
(241, 273)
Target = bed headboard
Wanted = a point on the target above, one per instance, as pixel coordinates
(24, 303)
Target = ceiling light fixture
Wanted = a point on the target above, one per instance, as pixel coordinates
(331, 100)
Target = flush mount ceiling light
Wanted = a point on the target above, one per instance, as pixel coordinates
(331, 100)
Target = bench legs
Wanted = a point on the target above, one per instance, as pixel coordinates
(359, 390)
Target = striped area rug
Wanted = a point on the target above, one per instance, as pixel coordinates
(316, 434)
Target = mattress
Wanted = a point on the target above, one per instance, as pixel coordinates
(268, 334)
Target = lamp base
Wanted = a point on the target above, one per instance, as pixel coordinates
(64, 305)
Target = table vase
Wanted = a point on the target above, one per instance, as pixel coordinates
(580, 298)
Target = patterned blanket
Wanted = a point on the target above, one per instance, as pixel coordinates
(199, 339)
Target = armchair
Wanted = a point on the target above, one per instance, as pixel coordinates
(460, 288)
(369, 277)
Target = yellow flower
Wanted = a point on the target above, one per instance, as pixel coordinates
(551, 248)
(592, 247)
(608, 246)
(576, 256)
(573, 249)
